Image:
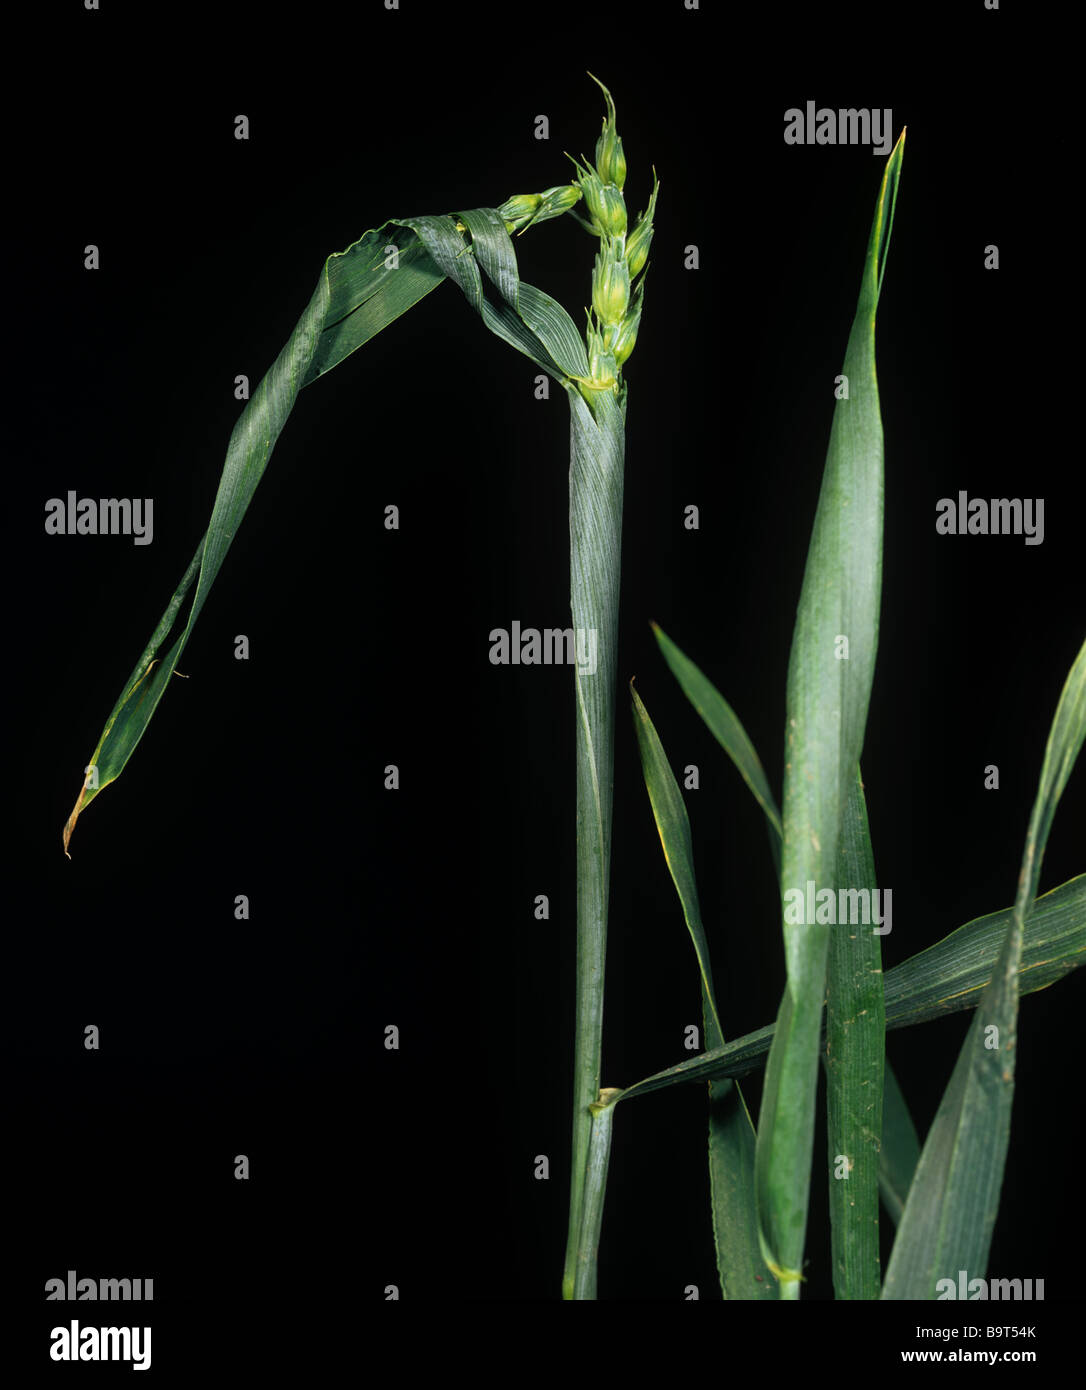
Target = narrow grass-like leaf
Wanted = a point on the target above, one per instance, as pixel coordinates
(951, 1209)
(368, 288)
(731, 735)
(947, 978)
(953, 974)
(743, 1272)
(900, 1148)
(360, 291)
(251, 443)
(854, 1058)
(829, 686)
(728, 731)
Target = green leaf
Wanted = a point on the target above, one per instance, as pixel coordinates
(360, 291)
(743, 1272)
(251, 443)
(900, 1148)
(369, 288)
(953, 974)
(524, 317)
(727, 730)
(826, 712)
(951, 1209)
(854, 1057)
(946, 978)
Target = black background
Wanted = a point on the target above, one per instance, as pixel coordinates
(264, 777)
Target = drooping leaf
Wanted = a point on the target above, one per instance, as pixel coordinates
(360, 291)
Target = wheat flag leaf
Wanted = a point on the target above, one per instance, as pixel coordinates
(743, 1272)
(830, 672)
(946, 978)
(360, 291)
(954, 1197)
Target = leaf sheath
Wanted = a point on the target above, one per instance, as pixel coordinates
(597, 447)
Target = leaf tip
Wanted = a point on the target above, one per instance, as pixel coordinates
(80, 801)
(69, 824)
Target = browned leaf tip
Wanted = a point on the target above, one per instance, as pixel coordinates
(70, 825)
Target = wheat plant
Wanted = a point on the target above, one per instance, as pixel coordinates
(362, 290)
(836, 1004)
